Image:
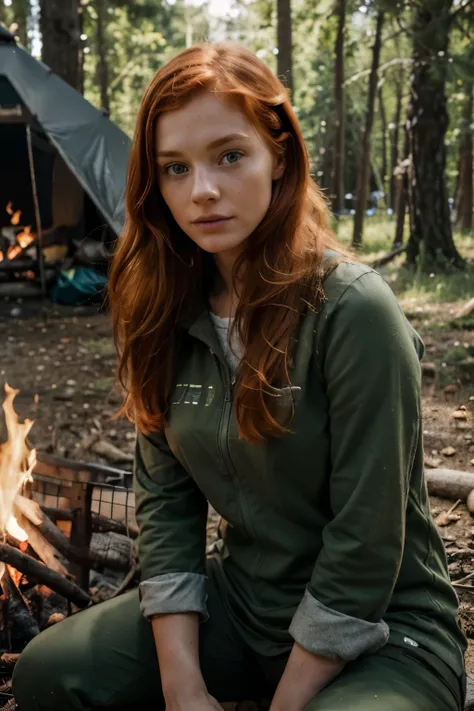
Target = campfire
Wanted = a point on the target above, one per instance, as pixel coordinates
(39, 561)
(18, 241)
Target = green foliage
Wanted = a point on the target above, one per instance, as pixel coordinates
(140, 35)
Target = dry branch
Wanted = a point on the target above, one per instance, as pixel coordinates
(39, 572)
(388, 257)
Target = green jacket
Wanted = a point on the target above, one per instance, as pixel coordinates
(329, 538)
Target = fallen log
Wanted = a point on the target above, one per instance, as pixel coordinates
(449, 483)
(43, 548)
(39, 572)
(81, 556)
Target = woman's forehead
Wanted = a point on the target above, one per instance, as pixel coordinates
(203, 120)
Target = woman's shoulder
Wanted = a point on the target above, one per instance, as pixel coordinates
(349, 280)
(358, 299)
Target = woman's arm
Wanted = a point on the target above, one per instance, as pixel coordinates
(171, 513)
(372, 379)
(177, 644)
(304, 677)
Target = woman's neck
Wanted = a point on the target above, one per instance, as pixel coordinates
(224, 299)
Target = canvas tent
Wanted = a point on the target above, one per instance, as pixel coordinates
(54, 141)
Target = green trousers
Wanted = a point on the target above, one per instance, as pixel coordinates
(104, 658)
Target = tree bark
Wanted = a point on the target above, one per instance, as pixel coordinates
(285, 43)
(102, 64)
(363, 175)
(464, 197)
(337, 191)
(383, 123)
(60, 24)
(431, 242)
(401, 192)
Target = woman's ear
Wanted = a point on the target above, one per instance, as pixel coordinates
(278, 168)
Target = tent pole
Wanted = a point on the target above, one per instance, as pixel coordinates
(37, 211)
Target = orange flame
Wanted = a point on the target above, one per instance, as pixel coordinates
(25, 238)
(16, 464)
(15, 214)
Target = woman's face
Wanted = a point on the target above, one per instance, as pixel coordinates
(215, 172)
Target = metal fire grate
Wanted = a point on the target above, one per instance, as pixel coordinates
(112, 501)
(76, 491)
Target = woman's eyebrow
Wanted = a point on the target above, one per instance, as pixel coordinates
(213, 144)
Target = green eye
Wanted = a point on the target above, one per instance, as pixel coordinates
(232, 157)
(176, 169)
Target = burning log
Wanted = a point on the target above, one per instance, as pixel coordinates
(48, 554)
(109, 558)
(39, 572)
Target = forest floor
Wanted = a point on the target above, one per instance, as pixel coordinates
(63, 362)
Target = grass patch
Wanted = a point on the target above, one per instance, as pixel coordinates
(102, 346)
(439, 287)
(104, 384)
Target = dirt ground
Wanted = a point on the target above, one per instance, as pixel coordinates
(62, 360)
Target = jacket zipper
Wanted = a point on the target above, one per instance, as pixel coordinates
(224, 449)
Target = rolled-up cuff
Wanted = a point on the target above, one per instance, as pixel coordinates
(331, 634)
(173, 593)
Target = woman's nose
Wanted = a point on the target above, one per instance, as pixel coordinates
(205, 185)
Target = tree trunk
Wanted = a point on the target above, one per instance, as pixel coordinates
(285, 43)
(337, 192)
(395, 137)
(400, 176)
(102, 65)
(61, 33)
(363, 175)
(464, 199)
(431, 242)
(383, 122)
(21, 11)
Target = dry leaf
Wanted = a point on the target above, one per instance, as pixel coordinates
(448, 451)
(459, 415)
(445, 518)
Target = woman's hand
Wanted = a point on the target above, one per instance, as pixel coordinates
(193, 702)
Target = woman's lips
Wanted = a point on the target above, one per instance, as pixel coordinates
(213, 225)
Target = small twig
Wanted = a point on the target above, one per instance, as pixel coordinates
(126, 581)
(464, 587)
(454, 506)
(461, 581)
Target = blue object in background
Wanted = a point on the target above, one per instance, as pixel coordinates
(78, 286)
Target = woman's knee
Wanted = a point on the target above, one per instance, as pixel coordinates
(44, 667)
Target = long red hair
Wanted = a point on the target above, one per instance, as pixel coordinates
(158, 273)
